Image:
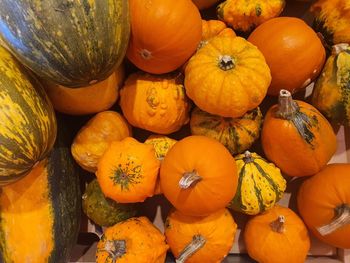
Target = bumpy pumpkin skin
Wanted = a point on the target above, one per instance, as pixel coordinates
(236, 134)
(260, 184)
(245, 16)
(127, 171)
(155, 103)
(203, 4)
(133, 240)
(218, 229)
(212, 82)
(93, 138)
(331, 94)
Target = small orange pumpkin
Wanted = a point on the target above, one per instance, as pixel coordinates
(212, 28)
(198, 176)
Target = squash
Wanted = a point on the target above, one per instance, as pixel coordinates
(93, 139)
(212, 28)
(276, 236)
(331, 93)
(200, 239)
(227, 77)
(324, 204)
(244, 15)
(104, 211)
(260, 184)
(236, 134)
(292, 50)
(297, 137)
(198, 176)
(155, 103)
(160, 40)
(86, 100)
(127, 171)
(133, 240)
(204, 4)
(40, 214)
(84, 43)
(28, 123)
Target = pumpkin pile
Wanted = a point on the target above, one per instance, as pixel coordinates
(106, 104)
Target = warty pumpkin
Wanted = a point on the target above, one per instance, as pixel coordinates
(236, 134)
(28, 123)
(331, 93)
(246, 15)
(292, 50)
(297, 137)
(204, 4)
(160, 40)
(133, 240)
(198, 176)
(277, 236)
(324, 204)
(155, 103)
(260, 184)
(93, 139)
(227, 77)
(127, 171)
(86, 40)
(200, 239)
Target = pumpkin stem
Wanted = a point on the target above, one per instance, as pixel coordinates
(278, 224)
(226, 62)
(286, 105)
(342, 218)
(189, 179)
(336, 49)
(248, 158)
(197, 243)
(115, 248)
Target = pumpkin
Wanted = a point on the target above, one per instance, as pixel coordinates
(324, 204)
(133, 240)
(297, 137)
(276, 236)
(160, 40)
(236, 134)
(155, 103)
(28, 124)
(292, 50)
(227, 77)
(332, 20)
(104, 211)
(212, 28)
(260, 184)
(331, 94)
(204, 4)
(40, 214)
(198, 176)
(86, 100)
(127, 171)
(200, 239)
(93, 138)
(245, 16)
(84, 43)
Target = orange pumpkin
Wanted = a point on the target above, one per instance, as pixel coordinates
(203, 4)
(198, 176)
(296, 137)
(324, 204)
(200, 239)
(164, 34)
(212, 28)
(292, 50)
(277, 236)
(127, 171)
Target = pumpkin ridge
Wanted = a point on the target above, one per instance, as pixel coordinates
(259, 196)
(239, 186)
(303, 124)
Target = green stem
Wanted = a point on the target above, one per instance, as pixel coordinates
(197, 243)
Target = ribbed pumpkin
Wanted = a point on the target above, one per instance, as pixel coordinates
(203, 4)
(297, 137)
(160, 40)
(237, 134)
(324, 204)
(72, 43)
(245, 15)
(260, 184)
(292, 50)
(331, 93)
(28, 124)
(155, 103)
(212, 28)
(200, 239)
(227, 77)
